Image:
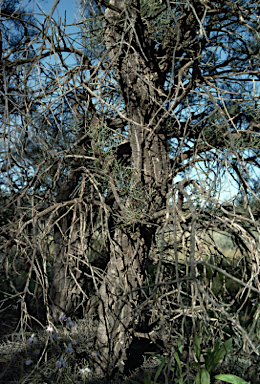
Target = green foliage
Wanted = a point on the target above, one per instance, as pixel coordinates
(177, 358)
(202, 377)
(211, 359)
(93, 31)
(214, 357)
(231, 379)
(159, 22)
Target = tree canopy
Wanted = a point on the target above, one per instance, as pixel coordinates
(120, 144)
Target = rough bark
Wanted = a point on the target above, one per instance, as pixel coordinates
(131, 244)
(117, 303)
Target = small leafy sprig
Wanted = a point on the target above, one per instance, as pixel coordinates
(211, 360)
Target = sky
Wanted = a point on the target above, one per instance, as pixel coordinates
(66, 12)
(68, 6)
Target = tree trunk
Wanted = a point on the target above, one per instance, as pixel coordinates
(118, 295)
(117, 303)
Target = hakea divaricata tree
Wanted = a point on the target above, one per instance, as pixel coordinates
(160, 91)
(175, 85)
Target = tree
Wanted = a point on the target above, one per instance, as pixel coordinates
(17, 30)
(169, 91)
